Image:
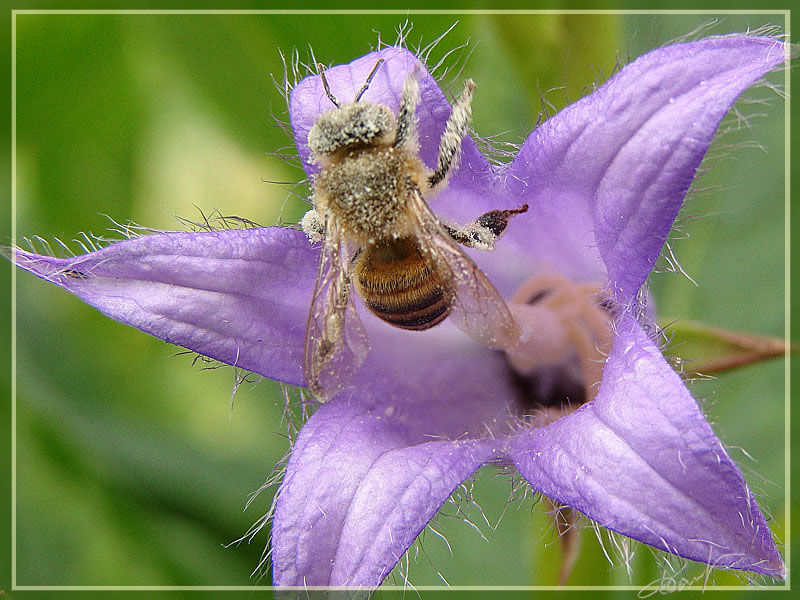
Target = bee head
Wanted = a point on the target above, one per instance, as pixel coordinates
(350, 126)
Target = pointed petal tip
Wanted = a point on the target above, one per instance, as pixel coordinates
(51, 269)
(196, 290)
(358, 492)
(765, 560)
(673, 486)
(776, 568)
(606, 176)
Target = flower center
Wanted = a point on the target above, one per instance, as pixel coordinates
(566, 334)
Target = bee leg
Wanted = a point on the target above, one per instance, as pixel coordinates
(313, 226)
(454, 132)
(405, 116)
(483, 233)
(496, 221)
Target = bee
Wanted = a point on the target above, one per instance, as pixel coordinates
(380, 238)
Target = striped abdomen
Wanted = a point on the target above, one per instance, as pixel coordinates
(400, 286)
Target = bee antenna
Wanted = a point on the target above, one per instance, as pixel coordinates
(365, 87)
(325, 85)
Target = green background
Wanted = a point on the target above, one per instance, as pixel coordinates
(132, 466)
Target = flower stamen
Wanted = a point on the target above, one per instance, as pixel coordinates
(566, 330)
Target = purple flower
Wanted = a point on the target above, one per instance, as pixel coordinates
(604, 180)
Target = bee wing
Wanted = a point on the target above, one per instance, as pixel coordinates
(336, 342)
(477, 307)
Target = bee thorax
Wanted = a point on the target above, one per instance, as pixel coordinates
(367, 192)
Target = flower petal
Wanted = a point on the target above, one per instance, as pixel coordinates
(606, 176)
(238, 296)
(642, 460)
(308, 101)
(357, 492)
(439, 383)
(372, 466)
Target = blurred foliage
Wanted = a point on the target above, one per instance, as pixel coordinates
(132, 464)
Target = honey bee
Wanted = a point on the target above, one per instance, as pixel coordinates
(381, 239)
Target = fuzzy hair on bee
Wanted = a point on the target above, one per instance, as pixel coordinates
(381, 239)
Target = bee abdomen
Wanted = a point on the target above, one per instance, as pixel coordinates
(435, 310)
(400, 286)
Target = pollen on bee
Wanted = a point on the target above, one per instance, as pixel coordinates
(313, 226)
(368, 192)
(383, 242)
(356, 124)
